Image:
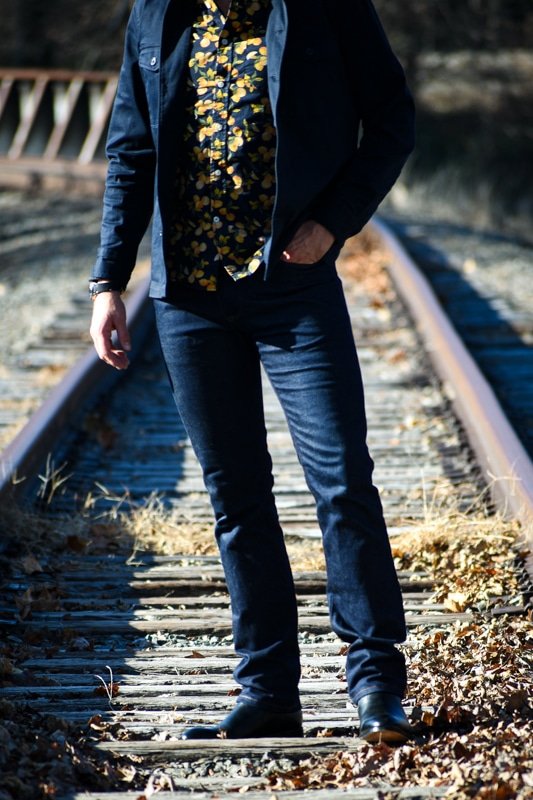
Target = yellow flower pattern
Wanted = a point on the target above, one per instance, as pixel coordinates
(225, 184)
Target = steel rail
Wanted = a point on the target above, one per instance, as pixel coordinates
(506, 465)
(29, 449)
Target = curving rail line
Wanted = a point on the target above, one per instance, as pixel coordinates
(88, 377)
(503, 459)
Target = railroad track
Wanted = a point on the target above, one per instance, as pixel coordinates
(483, 282)
(155, 629)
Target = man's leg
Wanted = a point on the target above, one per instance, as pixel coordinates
(215, 376)
(308, 351)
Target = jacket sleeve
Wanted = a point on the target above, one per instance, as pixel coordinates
(129, 190)
(385, 107)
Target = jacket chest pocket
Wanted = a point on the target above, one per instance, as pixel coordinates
(149, 65)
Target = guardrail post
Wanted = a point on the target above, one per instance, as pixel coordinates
(66, 98)
(31, 96)
(100, 105)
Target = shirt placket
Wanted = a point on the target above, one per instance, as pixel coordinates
(219, 146)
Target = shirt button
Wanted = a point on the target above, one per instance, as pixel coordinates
(223, 41)
(216, 219)
(220, 84)
(217, 173)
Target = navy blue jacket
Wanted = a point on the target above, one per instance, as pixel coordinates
(343, 114)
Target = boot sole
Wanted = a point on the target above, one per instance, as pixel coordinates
(386, 735)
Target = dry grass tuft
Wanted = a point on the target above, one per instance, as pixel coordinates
(155, 528)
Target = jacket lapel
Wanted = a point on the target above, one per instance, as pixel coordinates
(276, 39)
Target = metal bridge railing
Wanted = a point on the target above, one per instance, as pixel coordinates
(54, 121)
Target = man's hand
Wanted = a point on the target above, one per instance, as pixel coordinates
(109, 314)
(310, 242)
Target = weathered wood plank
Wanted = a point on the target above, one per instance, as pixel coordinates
(395, 793)
(214, 625)
(199, 685)
(147, 722)
(129, 602)
(112, 587)
(205, 608)
(205, 572)
(140, 666)
(183, 750)
(332, 647)
(188, 706)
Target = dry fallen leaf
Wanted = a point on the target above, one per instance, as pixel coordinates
(7, 668)
(455, 601)
(109, 690)
(195, 654)
(31, 565)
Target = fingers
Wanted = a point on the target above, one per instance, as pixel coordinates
(123, 333)
(309, 244)
(109, 315)
(114, 357)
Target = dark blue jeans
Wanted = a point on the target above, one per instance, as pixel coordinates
(298, 326)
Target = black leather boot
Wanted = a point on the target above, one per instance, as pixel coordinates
(382, 719)
(249, 721)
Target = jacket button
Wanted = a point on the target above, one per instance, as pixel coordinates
(153, 61)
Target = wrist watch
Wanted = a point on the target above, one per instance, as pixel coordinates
(98, 286)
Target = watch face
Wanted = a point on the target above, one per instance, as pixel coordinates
(97, 287)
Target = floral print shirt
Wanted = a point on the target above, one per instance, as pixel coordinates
(226, 179)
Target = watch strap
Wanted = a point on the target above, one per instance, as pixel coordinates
(97, 287)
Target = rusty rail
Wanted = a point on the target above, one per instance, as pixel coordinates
(88, 376)
(505, 463)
